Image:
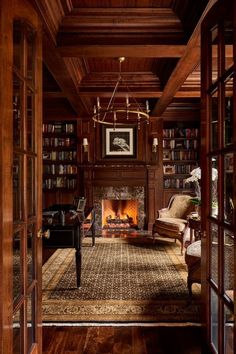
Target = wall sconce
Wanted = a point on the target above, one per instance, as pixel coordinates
(154, 144)
(85, 144)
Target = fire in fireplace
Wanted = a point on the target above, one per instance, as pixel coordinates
(119, 214)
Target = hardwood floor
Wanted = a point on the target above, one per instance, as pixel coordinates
(122, 340)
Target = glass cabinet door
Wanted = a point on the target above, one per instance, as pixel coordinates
(218, 166)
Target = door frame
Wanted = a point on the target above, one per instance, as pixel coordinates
(9, 10)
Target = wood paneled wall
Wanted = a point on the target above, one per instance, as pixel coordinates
(146, 169)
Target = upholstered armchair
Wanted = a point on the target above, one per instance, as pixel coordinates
(172, 221)
(193, 261)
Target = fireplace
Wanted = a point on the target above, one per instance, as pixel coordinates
(119, 207)
(119, 214)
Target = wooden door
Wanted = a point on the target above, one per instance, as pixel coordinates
(218, 138)
(20, 177)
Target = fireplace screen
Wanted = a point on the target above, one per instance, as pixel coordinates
(119, 214)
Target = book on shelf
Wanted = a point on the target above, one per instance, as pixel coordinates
(180, 133)
(175, 183)
(180, 155)
(59, 169)
(59, 182)
(59, 155)
(58, 127)
(59, 142)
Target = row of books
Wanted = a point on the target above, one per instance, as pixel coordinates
(60, 169)
(175, 183)
(180, 144)
(179, 169)
(180, 155)
(59, 182)
(59, 128)
(181, 133)
(59, 155)
(55, 142)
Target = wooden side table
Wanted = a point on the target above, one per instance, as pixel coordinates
(194, 223)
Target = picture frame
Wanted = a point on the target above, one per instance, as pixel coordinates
(166, 155)
(80, 202)
(169, 170)
(119, 142)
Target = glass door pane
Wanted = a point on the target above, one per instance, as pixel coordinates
(17, 266)
(228, 188)
(214, 320)
(17, 111)
(214, 121)
(228, 331)
(31, 186)
(228, 126)
(214, 53)
(228, 38)
(17, 187)
(214, 187)
(214, 253)
(30, 120)
(229, 265)
(30, 248)
(30, 38)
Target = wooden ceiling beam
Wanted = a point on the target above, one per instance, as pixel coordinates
(185, 66)
(128, 51)
(186, 93)
(58, 69)
(120, 17)
(54, 94)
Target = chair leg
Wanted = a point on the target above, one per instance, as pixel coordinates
(153, 236)
(182, 247)
(189, 284)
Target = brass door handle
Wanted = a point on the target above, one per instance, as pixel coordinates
(45, 234)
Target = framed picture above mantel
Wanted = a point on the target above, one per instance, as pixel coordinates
(119, 142)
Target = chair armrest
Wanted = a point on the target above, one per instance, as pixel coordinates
(163, 213)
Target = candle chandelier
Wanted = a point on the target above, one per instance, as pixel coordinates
(117, 115)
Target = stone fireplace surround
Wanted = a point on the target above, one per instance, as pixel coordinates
(119, 193)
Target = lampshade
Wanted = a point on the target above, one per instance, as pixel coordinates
(85, 142)
(155, 142)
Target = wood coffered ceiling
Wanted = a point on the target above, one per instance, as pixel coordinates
(82, 39)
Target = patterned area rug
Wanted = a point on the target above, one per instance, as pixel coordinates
(123, 280)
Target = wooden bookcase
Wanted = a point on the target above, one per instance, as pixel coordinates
(60, 171)
(180, 157)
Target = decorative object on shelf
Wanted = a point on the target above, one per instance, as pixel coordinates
(169, 169)
(85, 144)
(166, 155)
(154, 144)
(120, 142)
(195, 177)
(114, 111)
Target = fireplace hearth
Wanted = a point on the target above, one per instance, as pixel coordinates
(119, 207)
(119, 214)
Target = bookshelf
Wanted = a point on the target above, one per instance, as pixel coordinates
(180, 157)
(59, 156)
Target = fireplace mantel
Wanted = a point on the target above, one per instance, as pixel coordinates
(121, 175)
